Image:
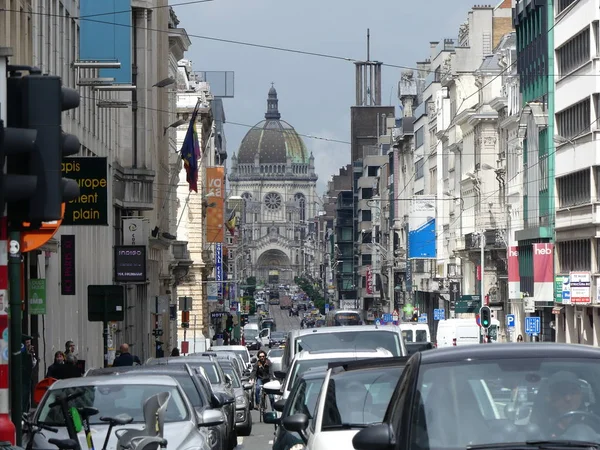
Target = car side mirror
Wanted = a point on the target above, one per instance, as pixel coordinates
(224, 399)
(279, 405)
(273, 387)
(210, 418)
(376, 437)
(247, 386)
(279, 374)
(228, 379)
(297, 423)
(271, 418)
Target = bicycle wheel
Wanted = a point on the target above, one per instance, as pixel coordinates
(260, 406)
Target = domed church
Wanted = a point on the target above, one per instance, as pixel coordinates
(275, 175)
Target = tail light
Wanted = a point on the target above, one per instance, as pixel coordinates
(454, 342)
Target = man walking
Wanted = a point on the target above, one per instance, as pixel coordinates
(126, 358)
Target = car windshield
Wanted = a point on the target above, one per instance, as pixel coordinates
(235, 380)
(359, 398)
(278, 335)
(112, 400)
(302, 366)
(250, 335)
(275, 353)
(474, 402)
(355, 340)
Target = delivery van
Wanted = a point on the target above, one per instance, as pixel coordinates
(456, 332)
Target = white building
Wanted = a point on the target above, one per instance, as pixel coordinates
(275, 174)
(133, 140)
(577, 223)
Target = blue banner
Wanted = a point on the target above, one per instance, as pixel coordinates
(219, 268)
(421, 233)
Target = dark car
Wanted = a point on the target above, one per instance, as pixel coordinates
(196, 388)
(243, 418)
(277, 338)
(209, 367)
(457, 398)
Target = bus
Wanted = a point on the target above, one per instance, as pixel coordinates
(343, 318)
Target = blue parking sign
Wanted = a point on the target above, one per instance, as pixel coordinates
(510, 320)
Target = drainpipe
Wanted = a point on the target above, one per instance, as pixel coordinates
(550, 81)
(134, 97)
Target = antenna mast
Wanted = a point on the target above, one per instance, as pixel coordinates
(368, 44)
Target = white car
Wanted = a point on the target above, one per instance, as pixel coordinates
(126, 394)
(306, 360)
(351, 398)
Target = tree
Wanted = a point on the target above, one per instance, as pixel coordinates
(250, 286)
(312, 290)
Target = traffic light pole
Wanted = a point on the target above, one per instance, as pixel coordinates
(482, 274)
(15, 359)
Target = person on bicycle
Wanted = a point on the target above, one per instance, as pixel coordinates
(262, 373)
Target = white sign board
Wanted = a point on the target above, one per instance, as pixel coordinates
(135, 232)
(580, 288)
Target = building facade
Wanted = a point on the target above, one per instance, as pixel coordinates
(275, 175)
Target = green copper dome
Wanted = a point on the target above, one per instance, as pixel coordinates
(273, 139)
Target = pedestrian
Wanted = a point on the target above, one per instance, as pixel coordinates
(126, 358)
(175, 352)
(520, 338)
(69, 369)
(28, 364)
(69, 348)
(59, 359)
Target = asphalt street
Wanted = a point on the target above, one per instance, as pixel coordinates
(262, 434)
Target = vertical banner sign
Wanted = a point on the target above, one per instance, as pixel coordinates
(215, 199)
(581, 288)
(135, 232)
(543, 272)
(67, 264)
(369, 281)
(36, 288)
(421, 232)
(212, 291)
(219, 268)
(514, 279)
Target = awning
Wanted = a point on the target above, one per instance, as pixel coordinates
(557, 309)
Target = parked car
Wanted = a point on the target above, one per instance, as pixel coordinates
(199, 394)
(238, 350)
(126, 394)
(243, 418)
(277, 338)
(274, 355)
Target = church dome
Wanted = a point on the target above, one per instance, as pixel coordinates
(273, 139)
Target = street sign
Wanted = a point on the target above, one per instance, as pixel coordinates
(533, 326)
(423, 319)
(439, 314)
(468, 304)
(395, 316)
(326, 308)
(377, 322)
(510, 320)
(388, 317)
(185, 303)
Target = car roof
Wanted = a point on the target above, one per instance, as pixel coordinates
(180, 360)
(179, 368)
(130, 379)
(509, 351)
(368, 364)
(353, 328)
(228, 347)
(350, 352)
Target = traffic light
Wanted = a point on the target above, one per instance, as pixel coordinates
(185, 319)
(34, 186)
(485, 316)
(415, 317)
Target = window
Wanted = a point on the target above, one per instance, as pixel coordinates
(574, 53)
(366, 260)
(575, 255)
(574, 189)
(366, 215)
(372, 171)
(419, 137)
(563, 4)
(419, 165)
(367, 193)
(575, 120)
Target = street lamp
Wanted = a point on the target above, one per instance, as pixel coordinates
(174, 125)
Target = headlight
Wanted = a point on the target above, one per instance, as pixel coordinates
(240, 401)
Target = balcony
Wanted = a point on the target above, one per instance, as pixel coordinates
(181, 263)
(133, 188)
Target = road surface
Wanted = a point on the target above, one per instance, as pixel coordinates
(262, 434)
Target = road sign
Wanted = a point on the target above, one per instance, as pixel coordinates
(377, 322)
(395, 316)
(423, 318)
(533, 326)
(388, 317)
(34, 239)
(468, 304)
(510, 320)
(326, 308)
(439, 314)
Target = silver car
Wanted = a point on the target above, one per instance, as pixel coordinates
(125, 394)
(275, 355)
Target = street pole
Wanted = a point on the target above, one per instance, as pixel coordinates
(15, 358)
(7, 427)
(482, 274)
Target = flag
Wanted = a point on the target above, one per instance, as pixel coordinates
(231, 223)
(190, 153)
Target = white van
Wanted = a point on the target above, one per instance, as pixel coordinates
(455, 332)
(413, 333)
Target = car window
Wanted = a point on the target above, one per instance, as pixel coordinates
(275, 353)
(480, 402)
(304, 399)
(301, 366)
(212, 371)
(407, 335)
(358, 398)
(189, 388)
(235, 380)
(355, 340)
(112, 400)
(421, 336)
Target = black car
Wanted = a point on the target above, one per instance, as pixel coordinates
(493, 396)
(277, 338)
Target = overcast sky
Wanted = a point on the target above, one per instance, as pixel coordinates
(315, 92)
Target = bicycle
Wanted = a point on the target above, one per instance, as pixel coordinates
(31, 429)
(262, 406)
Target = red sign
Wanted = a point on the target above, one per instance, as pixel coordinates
(514, 279)
(185, 347)
(369, 277)
(543, 272)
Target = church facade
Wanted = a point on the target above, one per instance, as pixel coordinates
(275, 175)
